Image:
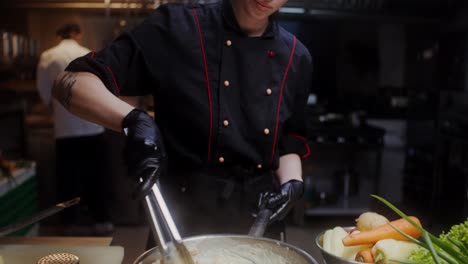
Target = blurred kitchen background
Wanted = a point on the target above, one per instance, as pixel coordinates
(387, 113)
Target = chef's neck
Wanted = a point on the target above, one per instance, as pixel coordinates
(74, 36)
(252, 26)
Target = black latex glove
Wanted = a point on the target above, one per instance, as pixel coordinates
(282, 202)
(144, 150)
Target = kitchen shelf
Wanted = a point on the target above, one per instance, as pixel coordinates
(349, 207)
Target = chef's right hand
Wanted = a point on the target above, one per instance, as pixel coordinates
(144, 150)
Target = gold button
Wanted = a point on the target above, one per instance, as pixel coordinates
(228, 43)
(226, 83)
(221, 159)
(266, 131)
(259, 166)
(269, 91)
(226, 123)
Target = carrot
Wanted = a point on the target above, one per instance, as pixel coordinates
(384, 232)
(365, 256)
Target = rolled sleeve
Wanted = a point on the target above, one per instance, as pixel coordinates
(120, 66)
(123, 66)
(295, 144)
(294, 137)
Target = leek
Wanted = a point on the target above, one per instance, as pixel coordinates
(453, 253)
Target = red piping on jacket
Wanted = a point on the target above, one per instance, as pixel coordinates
(305, 143)
(115, 82)
(283, 82)
(92, 54)
(208, 86)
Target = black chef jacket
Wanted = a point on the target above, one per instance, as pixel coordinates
(221, 98)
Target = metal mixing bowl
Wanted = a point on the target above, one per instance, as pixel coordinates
(224, 243)
(329, 258)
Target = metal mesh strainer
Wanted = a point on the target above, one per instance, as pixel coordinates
(59, 258)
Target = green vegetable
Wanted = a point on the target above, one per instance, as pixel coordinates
(458, 235)
(423, 255)
(448, 249)
(431, 248)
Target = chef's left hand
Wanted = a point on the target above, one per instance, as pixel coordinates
(282, 202)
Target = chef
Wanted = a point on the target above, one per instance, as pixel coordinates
(230, 87)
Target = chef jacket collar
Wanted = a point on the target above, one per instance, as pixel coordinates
(231, 21)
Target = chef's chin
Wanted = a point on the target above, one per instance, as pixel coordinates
(257, 11)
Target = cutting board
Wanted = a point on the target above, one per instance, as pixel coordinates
(30, 254)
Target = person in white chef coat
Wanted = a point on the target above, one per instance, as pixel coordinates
(80, 145)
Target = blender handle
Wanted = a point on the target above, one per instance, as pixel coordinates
(261, 222)
(161, 223)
